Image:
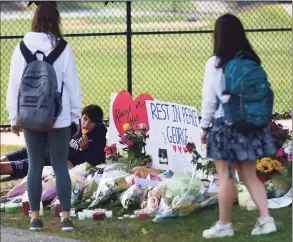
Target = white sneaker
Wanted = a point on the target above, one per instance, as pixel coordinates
(218, 231)
(265, 226)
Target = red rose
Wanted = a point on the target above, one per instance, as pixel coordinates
(189, 147)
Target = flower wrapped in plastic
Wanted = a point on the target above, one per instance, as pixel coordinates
(91, 184)
(276, 187)
(131, 197)
(78, 177)
(181, 195)
(111, 184)
(49, 191)
(18, 189)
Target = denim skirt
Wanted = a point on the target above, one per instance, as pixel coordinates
(224, 142)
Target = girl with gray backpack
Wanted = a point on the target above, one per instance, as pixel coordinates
(43, 72)
(238, 102)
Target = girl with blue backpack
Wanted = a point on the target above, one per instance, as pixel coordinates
(236, 108)
(43, 73)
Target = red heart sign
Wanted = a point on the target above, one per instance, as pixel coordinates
(127, 110)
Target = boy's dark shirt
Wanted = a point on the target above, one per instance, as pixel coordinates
(95, 153)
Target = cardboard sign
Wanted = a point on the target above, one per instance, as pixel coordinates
(172, 126)
(127, 110)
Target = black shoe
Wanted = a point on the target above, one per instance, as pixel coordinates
(36, 224)
(67, 224)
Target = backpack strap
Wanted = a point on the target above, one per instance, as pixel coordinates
(53, 56)
(27, 54)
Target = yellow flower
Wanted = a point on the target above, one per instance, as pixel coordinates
(84, 131)
(127, 127)
(265, 166)
(266, 159)
(277, 165)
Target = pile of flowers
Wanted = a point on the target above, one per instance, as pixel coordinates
(134, 142)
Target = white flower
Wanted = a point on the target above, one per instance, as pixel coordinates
(288, 146)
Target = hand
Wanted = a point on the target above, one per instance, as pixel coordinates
(77, 131)
(16, 129)
(70, 165)
(84, 142)
(203, 135)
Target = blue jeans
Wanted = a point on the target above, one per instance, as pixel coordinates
(19, 162)
(58, 140)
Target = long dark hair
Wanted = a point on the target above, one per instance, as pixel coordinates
(229, 38)
(47, 20)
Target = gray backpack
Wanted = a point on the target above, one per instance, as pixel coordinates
(39, 102)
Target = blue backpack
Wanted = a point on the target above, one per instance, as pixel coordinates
(247, 98)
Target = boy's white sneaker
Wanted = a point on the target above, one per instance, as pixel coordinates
(264, 226)
(218, 231)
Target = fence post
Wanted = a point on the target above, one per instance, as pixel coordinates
(129, 46)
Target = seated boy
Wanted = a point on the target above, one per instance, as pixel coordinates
(87, 147)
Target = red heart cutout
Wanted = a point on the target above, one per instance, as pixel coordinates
(179, 148)
(126, 110)
(174, 147)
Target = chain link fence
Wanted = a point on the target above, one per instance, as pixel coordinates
(170, 43)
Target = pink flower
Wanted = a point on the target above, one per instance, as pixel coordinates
(280, 153)
(107, 150)
(124, 138)
(111, 150)
(129, 142)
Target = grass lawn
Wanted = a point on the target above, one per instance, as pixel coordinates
(181, 229)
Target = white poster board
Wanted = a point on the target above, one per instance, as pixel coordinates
(172, 126)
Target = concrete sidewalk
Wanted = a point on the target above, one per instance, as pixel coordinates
(8, 138)
(15, 235)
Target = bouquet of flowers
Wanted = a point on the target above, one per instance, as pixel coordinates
(111, 184)
(180, 196)
(267, 167)
(134, 142)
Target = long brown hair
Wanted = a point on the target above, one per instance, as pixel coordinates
(47, 20)
(229, 38)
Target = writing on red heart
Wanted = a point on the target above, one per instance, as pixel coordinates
(126, 110)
